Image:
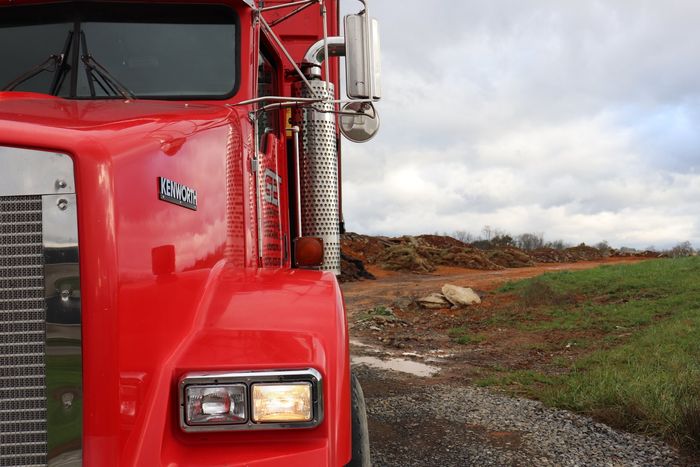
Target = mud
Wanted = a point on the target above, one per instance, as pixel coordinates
(403, 354)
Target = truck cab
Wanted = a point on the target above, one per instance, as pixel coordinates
(169, 232)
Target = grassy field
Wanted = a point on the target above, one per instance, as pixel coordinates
(637, 332)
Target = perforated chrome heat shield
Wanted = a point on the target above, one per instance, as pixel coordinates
(319, 172)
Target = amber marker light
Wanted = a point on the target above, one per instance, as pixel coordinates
(282, 403)
(308, 252)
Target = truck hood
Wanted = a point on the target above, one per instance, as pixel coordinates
(46, 121)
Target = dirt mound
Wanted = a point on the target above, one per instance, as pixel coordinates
(441, 241)
(405, 257)
(583, 253)
(510, 257)
(353, 269)
(652, 254)
(364, 247)
(467, 257)
(549, 255)
(422, 254)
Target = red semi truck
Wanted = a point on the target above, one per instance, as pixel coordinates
(169, 231)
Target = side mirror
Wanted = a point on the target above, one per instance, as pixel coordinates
(362, 57)
(359, 121)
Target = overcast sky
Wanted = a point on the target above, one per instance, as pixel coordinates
(578, 119)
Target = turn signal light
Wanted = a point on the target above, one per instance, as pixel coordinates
(279, 403)
(308, 252)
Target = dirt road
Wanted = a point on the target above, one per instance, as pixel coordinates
(391, 286)
(423, 408)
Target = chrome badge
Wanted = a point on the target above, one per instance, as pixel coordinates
(176, 193)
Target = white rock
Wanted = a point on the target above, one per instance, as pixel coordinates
(434, 301)
(460, 296)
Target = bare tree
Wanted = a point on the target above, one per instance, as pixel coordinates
(487, 230)
(530, 241)
(557, 245)
(604, 248)
(682, 249)
(463, 236)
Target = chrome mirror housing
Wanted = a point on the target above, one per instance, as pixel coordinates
(359, 121)
(362, 57)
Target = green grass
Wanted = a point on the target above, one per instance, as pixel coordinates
(381, 311)
(371, 313)
(463, 336)
(525, 378)
(646, 381)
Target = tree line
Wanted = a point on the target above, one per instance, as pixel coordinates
(491, 238)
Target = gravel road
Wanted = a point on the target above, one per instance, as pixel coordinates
(414, 422)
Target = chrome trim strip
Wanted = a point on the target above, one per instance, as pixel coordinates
(249, 378)
(64, 373)
(29, 172)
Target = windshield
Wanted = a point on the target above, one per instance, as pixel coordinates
(83, 50)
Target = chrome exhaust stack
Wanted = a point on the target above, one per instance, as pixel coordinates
(317, 167)
(318, 171)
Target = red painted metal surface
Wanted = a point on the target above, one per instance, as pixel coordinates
(167, 290)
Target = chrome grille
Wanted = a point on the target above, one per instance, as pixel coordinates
(23, 425)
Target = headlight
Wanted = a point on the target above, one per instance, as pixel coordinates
(282, 402)
(256, 400)
(216, 404)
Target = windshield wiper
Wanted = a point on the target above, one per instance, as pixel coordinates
(54, 64)
(96, 73)
(62, 67)
(51, 64)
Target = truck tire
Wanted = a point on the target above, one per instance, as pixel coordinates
(360, 432)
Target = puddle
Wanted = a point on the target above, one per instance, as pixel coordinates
(439, 353)
(360, 344)
(365, 347)
(398, 364)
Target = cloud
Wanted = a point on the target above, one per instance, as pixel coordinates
(577, 119)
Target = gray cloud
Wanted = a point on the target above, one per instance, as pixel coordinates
(577, 119)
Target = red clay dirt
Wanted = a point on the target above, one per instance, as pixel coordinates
(391, 285)
(499, 343)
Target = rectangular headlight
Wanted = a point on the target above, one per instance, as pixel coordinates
(212, 405)
(279, 403)
(254, 400)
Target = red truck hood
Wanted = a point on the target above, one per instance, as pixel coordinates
(28, 119)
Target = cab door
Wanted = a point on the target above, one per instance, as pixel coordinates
(271, 172)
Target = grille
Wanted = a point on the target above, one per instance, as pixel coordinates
(23, 427)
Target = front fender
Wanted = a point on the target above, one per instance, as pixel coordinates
(261, 320)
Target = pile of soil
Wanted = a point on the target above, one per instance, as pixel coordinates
(441, 241)
(510, 257)
(583, 253)
(364, 247)
(643, 254)
(405, 257)
(469, 258)
(422, 254)
(353, 269)
(549, 255)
